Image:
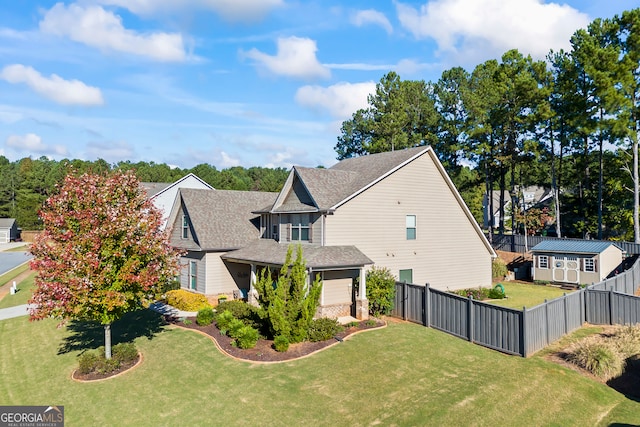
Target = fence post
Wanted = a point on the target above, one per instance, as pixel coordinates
(546, 321)
(610, 307)
(523, 333)
(566, 314)
(405, 301)
(427, 315)
(470, 320)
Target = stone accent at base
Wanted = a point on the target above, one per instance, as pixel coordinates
(362, 309)
(334, 311)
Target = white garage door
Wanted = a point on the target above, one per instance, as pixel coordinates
(4, 236)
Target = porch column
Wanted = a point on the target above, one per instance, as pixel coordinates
(252, 297)
(362, 303)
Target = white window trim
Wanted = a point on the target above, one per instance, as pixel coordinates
(185, 227)
(592, 268)
(546, 262)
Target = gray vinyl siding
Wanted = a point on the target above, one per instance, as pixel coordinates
(175, 236)
(448, 252)
(200, 271)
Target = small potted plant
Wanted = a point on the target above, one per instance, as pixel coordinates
(222, 298)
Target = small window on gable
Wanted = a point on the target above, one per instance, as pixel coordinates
(543, 261)
(300, 227)
(411, 227)
(590, 265)
(185, 227)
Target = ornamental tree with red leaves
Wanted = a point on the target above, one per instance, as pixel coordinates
(102, 253)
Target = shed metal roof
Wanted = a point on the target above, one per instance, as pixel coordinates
(573, 246)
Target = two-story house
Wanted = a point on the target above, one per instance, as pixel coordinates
(397, 210)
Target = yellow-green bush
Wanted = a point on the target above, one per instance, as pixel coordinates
(499, 268)
(186, 301)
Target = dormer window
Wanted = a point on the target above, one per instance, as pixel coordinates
(185, 227)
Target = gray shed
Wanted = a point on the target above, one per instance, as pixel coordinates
(575, 261)
(8, 230)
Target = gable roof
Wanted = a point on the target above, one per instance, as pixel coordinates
(7, 222)
(220, 219)
(327, 189)
(573, 246)
(154, 189)
(270, 252)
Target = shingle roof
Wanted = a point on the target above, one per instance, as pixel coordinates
(270, 252)
(153, 188)
(222, 219)
(572, 246)
(7, 222)
(329, 187)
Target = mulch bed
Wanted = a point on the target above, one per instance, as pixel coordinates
(264, 351)
(96, 376)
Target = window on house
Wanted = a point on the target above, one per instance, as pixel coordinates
(590, 265)
(543, 261)
(193, 275)
(406, 276)
(411, 227)
(274, 232)
(300, 227)
(185, 227)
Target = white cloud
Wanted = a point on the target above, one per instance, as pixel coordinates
(404, 66)
(226, 161)
(463, 27)
(231, 10)
(340, 100)
(371, 16)
(97, 27)
(33, 144)
(111, 151)
(55, 88)
(296, 57)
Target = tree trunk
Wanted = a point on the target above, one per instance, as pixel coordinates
(107, 341)
(600, 178)
(636, 191)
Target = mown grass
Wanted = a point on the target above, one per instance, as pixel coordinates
(10, 275)
(527, 295)
(404, 374)
(25, 289)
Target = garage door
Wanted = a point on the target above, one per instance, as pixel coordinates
(4, 236)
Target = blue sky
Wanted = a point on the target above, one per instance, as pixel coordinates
(238, 82)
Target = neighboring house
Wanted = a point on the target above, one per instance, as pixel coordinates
(530, 197)
(164, 194)
(8, 230)
(577, 262)
(397, 210)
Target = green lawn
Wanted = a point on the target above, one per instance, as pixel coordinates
(6, 277)
(404, 374)
(25, 288)
(22, 248)
(525, 295)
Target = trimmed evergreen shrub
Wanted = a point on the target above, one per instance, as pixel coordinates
(247, 337)
(281, 343)
(381, 290)
(124, 352)
(241, 311)
(87, 362)
(223, 320)
(235, 328)
(495, 293)
(205, 316)
(323, 329)
(94, 361)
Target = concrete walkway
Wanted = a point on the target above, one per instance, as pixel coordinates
(11, 312)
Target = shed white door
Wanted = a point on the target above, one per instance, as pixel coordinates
(566, 269)
(4, 236)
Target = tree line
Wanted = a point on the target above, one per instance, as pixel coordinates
(570, 123)
(26, 183)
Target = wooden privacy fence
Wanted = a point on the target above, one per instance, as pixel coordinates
(521, 332)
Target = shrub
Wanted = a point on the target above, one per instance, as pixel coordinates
(477, 294)
(240, 310)
(235, 328)
(499, 268)
(247, 337)
(223, 320)
(205, 316)
(87, 362)
(124, 352)
(495, 293)
(627, 341)
(323, 329)
(186, 301)
(381, 291)
(281, 343)
(599, 358)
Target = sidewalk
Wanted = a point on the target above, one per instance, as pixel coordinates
(11, 312)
